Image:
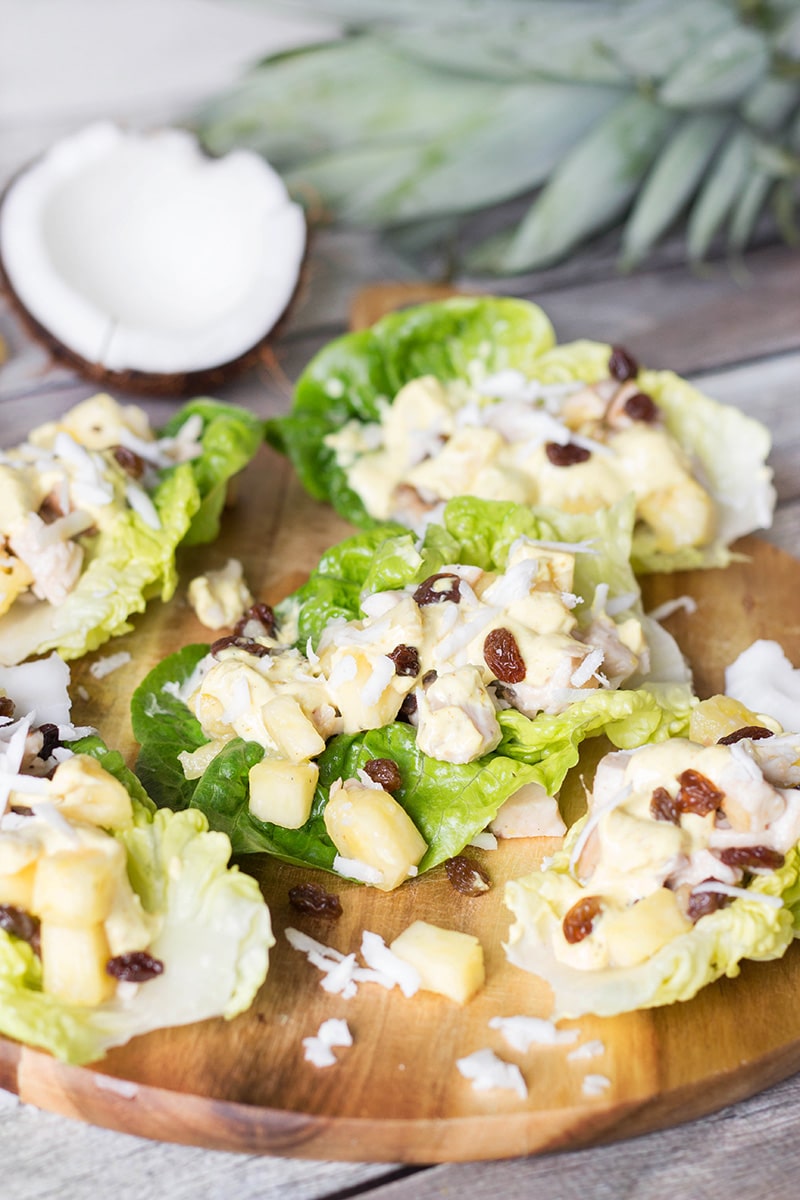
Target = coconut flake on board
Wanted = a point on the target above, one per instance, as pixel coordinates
(763, 679)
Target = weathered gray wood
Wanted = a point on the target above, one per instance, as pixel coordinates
(46, 1157)
(749, 1149)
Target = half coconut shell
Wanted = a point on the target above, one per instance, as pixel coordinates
(146, 264)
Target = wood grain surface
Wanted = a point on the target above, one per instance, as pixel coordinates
(396, 1095)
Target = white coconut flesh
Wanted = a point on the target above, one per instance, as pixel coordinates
(139, 252)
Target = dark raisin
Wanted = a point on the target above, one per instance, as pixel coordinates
(697, 794)
(702, 903)
(438, 588)
(312, 899)
(6, 706)
(754, 732)
(131, 463)
(50, 740)
(622, 365)
(259, 612)
(578, 922)
(664, 807)
(405, 659)
(566, 455)
(239, 643)
(408, 708)
(24, 810)
(467, 876)
(641, 407)
(502, 656)
(429, 677)
(386, 772)
(136, 967)
(20, 923)
(50, 509)
(751, 856)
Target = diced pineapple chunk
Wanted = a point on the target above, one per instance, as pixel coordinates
(448, 962)
(291, 729)
(85, 791)
(680, 515)
(17, 889)
(282, 792)
(15, 577)
(720, 715)
(76, 887)
(74, 963)
(368, 825)
(194, 762)
(637, 933)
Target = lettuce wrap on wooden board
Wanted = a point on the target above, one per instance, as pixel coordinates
(472, 396)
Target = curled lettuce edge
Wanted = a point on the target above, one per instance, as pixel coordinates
(714, 947)
(351, 377)
(129, 563)
(214, 937)
(449, 803)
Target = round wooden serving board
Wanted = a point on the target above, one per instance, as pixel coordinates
(396, 1094)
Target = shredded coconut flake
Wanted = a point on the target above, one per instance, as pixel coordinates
(589, 667)
(353, 868)
(104, 666)
(595, 1085)
(382, 674)
(725, 889)
(318, 1050)
(486, 1072)
(141, 504)
(688, 603)
(380, 958)
(522, 1032)
(590, 1049)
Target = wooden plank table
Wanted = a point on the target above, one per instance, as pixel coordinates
(736, 332)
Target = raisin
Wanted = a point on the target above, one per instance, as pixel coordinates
(312, 899)
(50, 509)
(6, 706)
(136, 967)
(664, 807)
(641, 407)
(259, 612)
(702, 903)
(566, 455)
(239, 643)
(131, 463)
(467, 876)
(50, 740)
(697, 794)
(407, 708)
(438, 588)
(754, 732)
(429, 677)
(20, 923)
(502, 656)
(751, 856)
(578, 922)
(622, 365)
(405, 659)
(386, 772)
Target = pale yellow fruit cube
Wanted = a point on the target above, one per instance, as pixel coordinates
(83, 790)
(74, 963)
(15, 578)
(194, 762)
(282, 792)
(637, 933)
(368, 825)
(720, 715)
(17, 889)
(448, 962)
(77, 887)
(290, 728)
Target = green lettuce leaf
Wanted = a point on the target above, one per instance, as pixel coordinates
(714, 947)
(462, 338)
(213, 936)
(448, 803)
(129, 563)
(467, 338)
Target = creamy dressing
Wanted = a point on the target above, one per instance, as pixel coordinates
(644, 857)
(437, 441)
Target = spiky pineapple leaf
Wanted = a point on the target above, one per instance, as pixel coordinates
(718, 195)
